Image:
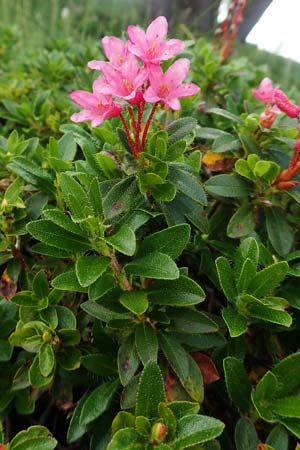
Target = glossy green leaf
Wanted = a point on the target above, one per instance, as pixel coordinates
(146, 342)
(154, 265)
(245, 435)
(46, 359)
(128, 360)
(226, 278)
(241, 223)
(171, 241)
(236, 323)
(237, 383)
(97, 401)
(150, 391)
(181, 292)
(194, 430)
(90, 268)
(126, 439)
(135, 301)
(279, 231)
(123, 241)
(228, 186)
(268, 279)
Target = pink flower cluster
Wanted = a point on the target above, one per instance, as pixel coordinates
(133, 74)
(276, 100)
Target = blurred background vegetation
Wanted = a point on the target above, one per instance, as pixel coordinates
(49, 24)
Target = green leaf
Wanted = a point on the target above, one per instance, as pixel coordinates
(278, 438)
(40, 285)
(188, 184)
(287, 372)
(194, 382)
(226, 278)
(228, 186)
(33, 442)
(154, 265)
(181, 292)
(123, 241)
(150, 391)
(68, 281)
(108, 165)
(35, 376)
(51, 234)
(128, 360)
(99, 363)
(6, 350)
(191, 321)
(241, 223)
(279, 231)
(120, 198)
(242, 168)
(146, 342)
(176, 355)
(90, 268)
(236, 323)
(164, 192)
(248, 271)
(263, 312)
(237, 383)
(264, 394)
(135, 301)
(293, 425)
(194, 430)
(210, 133)
(171, 241)
(268, 170)
(287, 406)
(245, 435)
(101, 286)
(97, 402)
(46, 359)
(226, 114)
(62, 220)
(179, 128)
(76, 430)
(67, 147)
(104, 311)
(225, 143)
(268, 279)
(168, 419)
(181, 408)
(75, 197)
(122, 420)
(126, 439)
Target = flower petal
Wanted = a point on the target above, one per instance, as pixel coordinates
(172, 47)
(174, 103)
(177, 72)
(157, 29)
(95, 65)
(187, 90)
(151, 96)
(113, 47)
(83, 98)
(137, 37)
(82, 116)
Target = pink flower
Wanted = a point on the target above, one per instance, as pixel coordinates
(265, 92)
(285, 105)
(123, 82)
(151, 46)
(97, 107)
(167, 87)
(114, 49)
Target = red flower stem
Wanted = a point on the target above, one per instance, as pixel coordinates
(129, 139)
(141, 108)
(132, 118)
(148, 125)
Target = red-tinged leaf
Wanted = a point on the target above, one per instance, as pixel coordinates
(207, 367)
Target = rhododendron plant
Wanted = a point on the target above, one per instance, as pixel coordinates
(135, 81)
(265, 93)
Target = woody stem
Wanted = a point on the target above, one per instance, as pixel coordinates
(148, 125)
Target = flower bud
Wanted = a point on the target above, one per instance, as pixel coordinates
(158, 433)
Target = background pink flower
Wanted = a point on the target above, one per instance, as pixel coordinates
(151, 46)
(167, 87)
(114, 49)
(265, 91)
